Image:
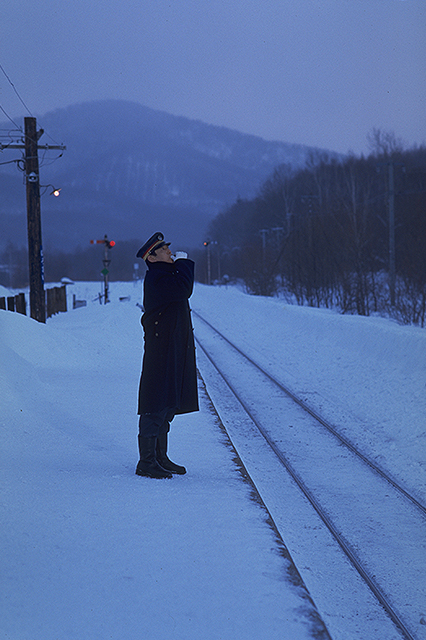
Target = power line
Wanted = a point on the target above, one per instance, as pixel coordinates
(9, 162)
(9, 118)
(16, 91)
(22, 102)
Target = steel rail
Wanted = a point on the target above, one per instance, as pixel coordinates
(343, 544)
(347, 443)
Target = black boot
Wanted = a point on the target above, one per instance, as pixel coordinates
(163, 459)
(148, 465)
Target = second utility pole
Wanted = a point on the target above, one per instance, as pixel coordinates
(391, 203)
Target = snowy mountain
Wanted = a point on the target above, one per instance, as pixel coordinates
(128, 170)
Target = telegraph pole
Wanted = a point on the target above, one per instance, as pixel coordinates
(391, 202)
(391, 213)
(35, 247)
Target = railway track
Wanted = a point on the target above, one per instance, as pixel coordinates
(377, 524)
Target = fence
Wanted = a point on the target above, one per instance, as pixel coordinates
(56, 302)
(14, 303)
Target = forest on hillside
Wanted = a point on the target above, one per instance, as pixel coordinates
(348, 235)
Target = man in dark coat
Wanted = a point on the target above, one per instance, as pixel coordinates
(168, 384)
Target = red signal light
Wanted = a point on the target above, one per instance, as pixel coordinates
(109, 243)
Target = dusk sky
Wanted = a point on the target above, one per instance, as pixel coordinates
(321, 73)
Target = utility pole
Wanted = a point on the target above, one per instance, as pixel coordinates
(391, 213)
(263, 233)
(35, 246)
(391, 201)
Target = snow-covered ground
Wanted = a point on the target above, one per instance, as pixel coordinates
(89, 550)
(366, 375)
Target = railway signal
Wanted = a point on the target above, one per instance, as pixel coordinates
(207, 245)
(108, 244)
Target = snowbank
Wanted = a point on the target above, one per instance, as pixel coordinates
(92, 551)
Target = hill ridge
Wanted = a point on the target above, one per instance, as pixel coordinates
(129, 168)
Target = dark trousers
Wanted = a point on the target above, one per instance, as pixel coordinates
(154, 424)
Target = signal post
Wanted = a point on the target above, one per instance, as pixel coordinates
(108, 244)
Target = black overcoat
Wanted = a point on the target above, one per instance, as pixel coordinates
(169, 374)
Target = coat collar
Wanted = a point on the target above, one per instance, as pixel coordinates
(160, 266)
